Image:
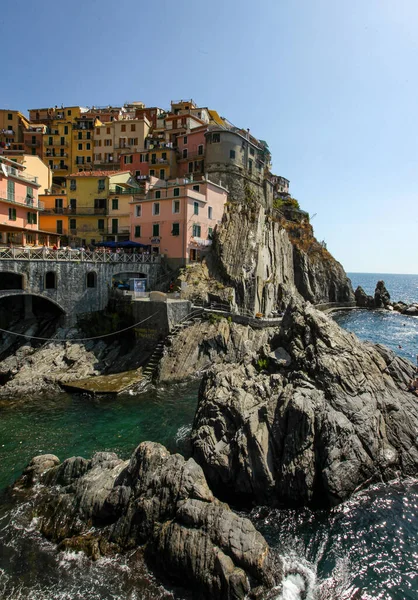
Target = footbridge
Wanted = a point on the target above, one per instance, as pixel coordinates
(75, 281)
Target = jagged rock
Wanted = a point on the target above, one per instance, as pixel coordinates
(362, 299)
(158, 501)
(381, 295)
(205, 343)
(309, 433)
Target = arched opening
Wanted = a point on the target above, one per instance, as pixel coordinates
(91, 279)
(11, 281)
(51, 280)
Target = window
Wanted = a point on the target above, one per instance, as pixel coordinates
(156, 208)
(80, 146)
(156, 230)
(73, 185)
(50, 280)
(107, 130)
(153, 159)
(196, 230)
(12, 214)
(115, 203)
(59, 203)
(138, 230)
(65, 129)
(88, 159)
(59, 226)
(73, 224)
(100, 224)
(185, 139)
(133, 127)
(115, 225)
(164, 155)
(210, 233)
(250, 166)
(216, 137)
(152, 172)
(185, 153)
(210, 212)
(69, 112)
(10, 190)
(32, 218)
(190, 167)
(29, 194)
(176, 229)
(132, 141)
(232, 154)
(252, 151)
(73, 203)
(176, 192)
(200, 150)
(196, 188)
(91, 279)
(128, 160)
(176, 206)
(88, 135)
(195, 208)
(80, 135)
(9, 117)
(123, 128)
(88, 146)
(162, 174)
(157, 195)
(101, 185)
(97, 130)
(138, 210)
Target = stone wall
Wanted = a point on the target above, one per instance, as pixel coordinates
(161, 316)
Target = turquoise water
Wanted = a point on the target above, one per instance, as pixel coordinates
(79, 425)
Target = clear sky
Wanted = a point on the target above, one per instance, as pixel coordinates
(331, 85)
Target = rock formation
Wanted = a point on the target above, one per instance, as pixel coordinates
(196, 348)
(156, 501)
(268, 259)
(323, 415)
(381, 295)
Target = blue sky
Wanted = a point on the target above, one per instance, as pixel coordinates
(332, 85)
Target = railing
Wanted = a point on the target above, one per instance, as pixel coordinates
(27, 143)
(131, 190)
(14, 172)
(46, 144)
(96, 256)
(191, 155)
(53, 155)
(26, 201)
(159, 161)
(122, 146)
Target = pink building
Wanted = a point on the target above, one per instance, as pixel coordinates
(191, 153)
(20, 207)
(176, 218)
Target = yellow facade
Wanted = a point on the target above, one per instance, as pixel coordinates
(12, 126)
(83, 143)
(94, 214)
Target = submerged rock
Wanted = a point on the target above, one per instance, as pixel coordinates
(156, 501)
(312, 429)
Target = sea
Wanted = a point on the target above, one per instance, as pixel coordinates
(364, 549)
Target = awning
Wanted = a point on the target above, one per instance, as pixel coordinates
(126, 244)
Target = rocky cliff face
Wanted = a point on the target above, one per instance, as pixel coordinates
(268, 260)
(327, 415)
(209, 342)
(159, 502)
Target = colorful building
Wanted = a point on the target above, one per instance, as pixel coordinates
(82, 142)
(191, 153)
(119, 139)
(93, 205)
(177, 218)
(12, 127)
(20, 207)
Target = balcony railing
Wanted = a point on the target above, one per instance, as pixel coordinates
(14, 172)
(159, 161)
(113, 189)
(191, 156)
(25, 201)
(119, 230)
(95, 256)
(46, 144)
(31, 143)
(86, 210)
(59, 167)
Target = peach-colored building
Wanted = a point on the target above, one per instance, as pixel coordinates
(176, 218)
(20, 206)
(191, 153)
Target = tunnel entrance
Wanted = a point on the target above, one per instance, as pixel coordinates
(11, 281)
(29, 316)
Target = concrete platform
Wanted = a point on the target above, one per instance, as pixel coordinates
(105, 384)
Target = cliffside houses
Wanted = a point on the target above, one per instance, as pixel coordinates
(154, 176)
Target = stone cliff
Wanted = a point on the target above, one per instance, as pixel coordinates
(267, 259)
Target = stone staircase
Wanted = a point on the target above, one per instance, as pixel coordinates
(149, 370)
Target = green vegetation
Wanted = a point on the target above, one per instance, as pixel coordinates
(262, 364)
(286, 203)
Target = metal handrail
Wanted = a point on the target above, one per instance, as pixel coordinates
(95, 256)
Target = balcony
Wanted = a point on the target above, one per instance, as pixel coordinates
(14, 172)
(47, 144)
(59, 167)
(114, 189)
(50, 154)
(159, 161)
(122, 147)
(119, 231)
(37, 143)
(25, 201)
(191, 156)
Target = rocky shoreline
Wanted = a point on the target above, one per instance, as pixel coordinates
(381, 299)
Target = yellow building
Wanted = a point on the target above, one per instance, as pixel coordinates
(98, 205)
(12, 127)
(82, 142)
(58, 138)
(116, 138)
(39, 169)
